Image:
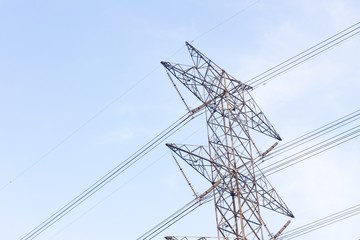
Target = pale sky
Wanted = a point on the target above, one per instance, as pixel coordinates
(82, 88)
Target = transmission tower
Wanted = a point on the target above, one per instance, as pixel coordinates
(229, 161)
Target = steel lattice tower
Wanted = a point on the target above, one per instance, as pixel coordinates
(229, 160)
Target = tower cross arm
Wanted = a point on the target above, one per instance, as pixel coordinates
(195, 156)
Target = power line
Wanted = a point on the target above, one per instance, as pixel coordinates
(327, 128)
(107, 197)
(116, 171)
(300, 58)
(113, 173)
(321, 223)
(117, 189)
(293, 233)
(109, 176)
(276, 168)
(227, 20)
(116, 99)
(338, 123)
(345, 120)
(312, 151)
(305, 55)
(75, 131)
(174, 218)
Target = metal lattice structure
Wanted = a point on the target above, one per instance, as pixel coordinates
(228, 162)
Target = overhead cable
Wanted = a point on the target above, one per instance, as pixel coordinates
(109, 176)
(338, 123)
(321, 223)
(165, 134)
(299, 156)
(117, 98)
(173, 218)
(312, 151)
(305, 55)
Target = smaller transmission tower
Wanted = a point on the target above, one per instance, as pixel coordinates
(229, 161)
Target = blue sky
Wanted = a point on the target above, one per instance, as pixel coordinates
(82, 88)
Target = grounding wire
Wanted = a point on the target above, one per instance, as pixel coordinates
(227, 19)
